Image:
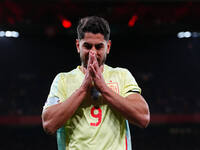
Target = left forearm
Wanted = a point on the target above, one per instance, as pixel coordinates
(134, 107)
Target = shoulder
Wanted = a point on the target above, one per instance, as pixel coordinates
(118, 70)
(64, 75)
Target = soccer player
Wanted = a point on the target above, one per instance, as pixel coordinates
(90, 106)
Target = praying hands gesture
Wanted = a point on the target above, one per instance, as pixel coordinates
(93, 74)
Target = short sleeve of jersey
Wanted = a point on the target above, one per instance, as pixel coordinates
(130, 85)
(56, 93)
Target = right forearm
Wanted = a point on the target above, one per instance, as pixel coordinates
(55, 116)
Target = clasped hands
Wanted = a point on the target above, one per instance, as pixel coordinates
(93, 74)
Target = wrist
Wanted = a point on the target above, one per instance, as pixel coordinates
(103, 88)
(83, 89)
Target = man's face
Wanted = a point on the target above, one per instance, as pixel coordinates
(95, 43)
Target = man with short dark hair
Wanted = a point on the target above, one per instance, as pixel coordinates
(90, 106)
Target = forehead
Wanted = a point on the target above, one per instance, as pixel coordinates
(93, 38)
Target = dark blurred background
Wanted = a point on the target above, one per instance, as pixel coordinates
(159, 42)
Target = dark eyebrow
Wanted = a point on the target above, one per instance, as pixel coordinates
(100, 44)
(92, 44)
(87, 43)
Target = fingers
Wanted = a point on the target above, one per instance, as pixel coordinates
(93, 66)
(89, 61)
(95, 71)
(92, 70)
(93, 59)
(88, 79)
(92, 62)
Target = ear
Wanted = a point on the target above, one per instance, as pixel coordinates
(108, 46)
(77, 45)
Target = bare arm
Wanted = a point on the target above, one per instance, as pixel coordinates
(133, 107)
(55, 116)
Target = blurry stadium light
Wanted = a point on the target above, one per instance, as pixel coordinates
(195, 34)
(15, 34)
(66, 23)
(2, 33)
(180, 35)
(132, 21)
(187, 34)
(8, 34)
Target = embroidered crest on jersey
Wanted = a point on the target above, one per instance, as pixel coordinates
(114, 86)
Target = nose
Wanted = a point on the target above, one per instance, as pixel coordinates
(93, 50)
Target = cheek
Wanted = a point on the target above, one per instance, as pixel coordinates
(102, 52)
(100, 55)
(84, 53)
